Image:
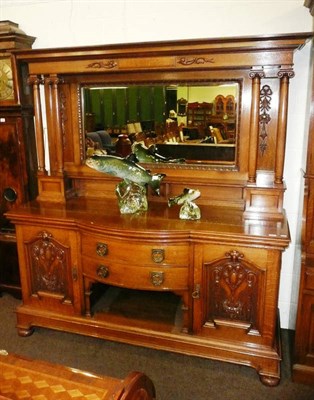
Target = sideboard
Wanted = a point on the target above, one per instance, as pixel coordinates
(205, 287)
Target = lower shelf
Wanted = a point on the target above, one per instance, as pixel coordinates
(161, 311)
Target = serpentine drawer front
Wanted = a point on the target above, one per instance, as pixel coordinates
(153, 266)
(154, 253)
(162, 277)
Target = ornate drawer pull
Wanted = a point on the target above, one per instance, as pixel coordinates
(158, 255)
(157, 278)
(102, 249)
(102, 271)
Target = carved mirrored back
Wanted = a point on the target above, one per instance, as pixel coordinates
(218, 107)
(191, 121)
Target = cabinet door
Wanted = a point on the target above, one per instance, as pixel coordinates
(305, 343)
(236, 293)
(12, 161)
(303, 368)
(49, 268)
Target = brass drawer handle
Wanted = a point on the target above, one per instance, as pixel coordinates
(102, 271)
(157, 278)
(158, 255)
(102, 249)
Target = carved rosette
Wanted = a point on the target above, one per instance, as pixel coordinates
(48, 261)
(232, 289)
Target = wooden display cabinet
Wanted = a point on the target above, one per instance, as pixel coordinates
(303, 366)
(207, 288)
(198, 114)
(17, 147)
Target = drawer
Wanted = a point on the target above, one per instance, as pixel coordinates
(134, 277)
(131, 251)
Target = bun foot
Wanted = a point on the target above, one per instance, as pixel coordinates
(25, 332)
(269, 380)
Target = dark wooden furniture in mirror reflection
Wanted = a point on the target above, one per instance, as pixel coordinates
(206, 287)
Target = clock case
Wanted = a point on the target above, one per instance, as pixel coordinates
(18, 161)
(7, 89)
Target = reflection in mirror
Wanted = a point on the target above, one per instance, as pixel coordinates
(194, 123)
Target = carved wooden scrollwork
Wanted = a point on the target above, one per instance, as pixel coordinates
(256, 74)
(233, 285)
(195, 60)
(63, 116)
(264, 117)
(48, 261)
(103, 65)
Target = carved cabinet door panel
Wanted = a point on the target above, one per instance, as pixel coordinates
(236, 293)
(49, 268)
(305, 342)
(12, 163)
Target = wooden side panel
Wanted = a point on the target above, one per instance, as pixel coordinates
(50, 280)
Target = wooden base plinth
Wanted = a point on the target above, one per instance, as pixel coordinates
(264, 359)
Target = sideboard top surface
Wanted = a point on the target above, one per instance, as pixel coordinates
(160, 222)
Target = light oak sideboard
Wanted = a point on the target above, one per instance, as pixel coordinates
(206, 288)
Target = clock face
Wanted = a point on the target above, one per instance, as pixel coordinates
(6, 80)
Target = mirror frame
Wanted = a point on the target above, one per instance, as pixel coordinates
(263, 65)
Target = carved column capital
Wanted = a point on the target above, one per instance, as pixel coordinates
(53, 79)
(257, 72)
(35, 80)
(286, 72)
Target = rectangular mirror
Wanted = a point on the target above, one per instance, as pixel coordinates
(197, 123)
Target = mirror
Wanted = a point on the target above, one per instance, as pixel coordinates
(194, 123)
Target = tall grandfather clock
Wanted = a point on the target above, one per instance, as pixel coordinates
(17, 147)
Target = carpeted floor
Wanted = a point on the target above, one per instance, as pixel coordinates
(176, 377)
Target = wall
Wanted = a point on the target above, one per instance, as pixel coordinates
(61, 23)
